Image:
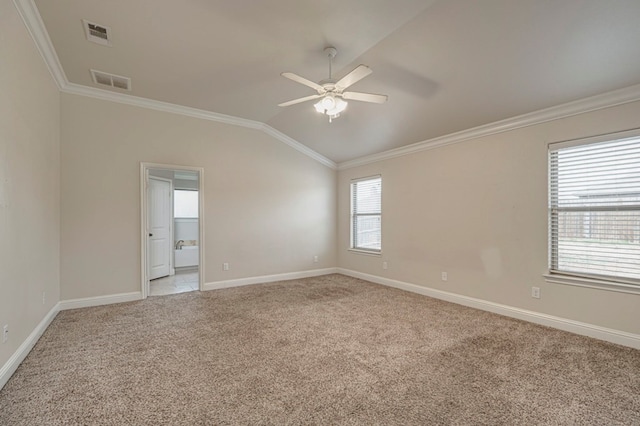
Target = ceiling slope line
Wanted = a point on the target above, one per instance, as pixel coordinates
(33, 22)
(122, 98)
(581, 106)
(36, 28)
(92, 92)
(298, 146)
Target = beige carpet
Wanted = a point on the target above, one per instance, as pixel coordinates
(326, 350)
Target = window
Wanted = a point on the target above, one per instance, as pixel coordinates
(185, 203)
(366, 214)
(594, 209)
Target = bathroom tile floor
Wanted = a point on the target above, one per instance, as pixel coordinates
(181, 282)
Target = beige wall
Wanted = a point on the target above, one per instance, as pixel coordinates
(70, 203)
(478, 210)
(29, 183)
(268, 208)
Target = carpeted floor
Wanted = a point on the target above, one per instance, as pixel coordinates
(326, 350)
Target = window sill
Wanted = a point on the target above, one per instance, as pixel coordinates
(590, 282)
(366, 252)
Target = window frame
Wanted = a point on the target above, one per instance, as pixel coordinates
(353, 246)
(558, 276)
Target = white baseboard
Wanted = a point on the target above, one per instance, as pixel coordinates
(585, 329)
(217, 285)
(99, 300)
(12, 363)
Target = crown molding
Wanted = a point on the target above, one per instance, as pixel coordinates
(93, 92)
(33, 22)
(581, 106)
(31, 17)
(298, 146)
(122, 98)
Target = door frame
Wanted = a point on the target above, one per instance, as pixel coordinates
(144, 221)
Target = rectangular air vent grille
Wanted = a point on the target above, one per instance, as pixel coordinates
(111, 80)
(97, 33)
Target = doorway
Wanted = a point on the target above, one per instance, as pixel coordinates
(172, 235)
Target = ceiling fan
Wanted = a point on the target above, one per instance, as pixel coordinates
(331, 92)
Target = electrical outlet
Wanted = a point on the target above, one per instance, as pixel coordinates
(445, 276)
(315, 259)
(5, 333)
(385, 265)
(535, 292)
(225, 266)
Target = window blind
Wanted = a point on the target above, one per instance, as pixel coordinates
(366, 214)
(594, 209)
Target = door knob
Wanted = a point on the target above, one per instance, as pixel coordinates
(150, 234)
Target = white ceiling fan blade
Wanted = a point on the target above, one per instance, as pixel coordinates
(353, 77)
(365, 97)
(302, 80)
(299, 100)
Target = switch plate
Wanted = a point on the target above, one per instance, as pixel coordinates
(535, 292)
(5, 333)
(445, 276)
(315, 259)
(225, 266)
(385, 265)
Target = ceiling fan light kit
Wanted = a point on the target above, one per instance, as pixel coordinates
(331, 93)
(331, 106)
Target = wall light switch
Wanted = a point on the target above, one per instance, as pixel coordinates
(535, 292)
(225, 266)
(444, 276)
(385, 265)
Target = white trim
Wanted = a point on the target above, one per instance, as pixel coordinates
(123, 98)
(298, 146)
(589, 282)
(217, 285)
(577, 327)
(144, 167)
(23, 350)
(201, 224)
(144, 268)
(365, 252)
(99, 300)
(32, 20)
(365, 178)
(605, 137)
(31, 17)
(581, 106)
(36, 28)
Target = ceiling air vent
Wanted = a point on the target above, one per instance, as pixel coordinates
(97, 33)
(111, 80)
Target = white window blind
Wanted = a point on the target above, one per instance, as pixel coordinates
(366, 214)
(594, 209)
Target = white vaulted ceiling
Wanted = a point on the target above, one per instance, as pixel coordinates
(446, 65)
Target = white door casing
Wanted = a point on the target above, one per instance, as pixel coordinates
(160, 242)
(144, 221)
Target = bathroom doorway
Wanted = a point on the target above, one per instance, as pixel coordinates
(172, 229)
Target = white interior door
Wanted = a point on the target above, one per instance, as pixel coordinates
(159, 210)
